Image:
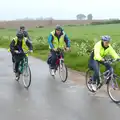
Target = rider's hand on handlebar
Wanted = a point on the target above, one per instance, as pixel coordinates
(103, 60)
(54, 49)
(16, 51)
(31, 51)
(67, 49)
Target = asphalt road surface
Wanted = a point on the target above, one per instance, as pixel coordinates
(48, 98)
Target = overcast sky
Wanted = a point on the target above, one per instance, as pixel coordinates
(58, 9)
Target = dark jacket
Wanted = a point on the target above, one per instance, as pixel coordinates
(19, 46)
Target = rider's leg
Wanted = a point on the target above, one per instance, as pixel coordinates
(49, 58)
(54, 58)
(13, 59)
(16, 60)
(95, 66)
(16, 67)
(53, 61)
(107, 66)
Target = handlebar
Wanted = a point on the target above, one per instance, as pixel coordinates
(110, 61)
(61, 50)
(23, 52)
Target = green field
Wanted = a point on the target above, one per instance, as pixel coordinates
(82, 40)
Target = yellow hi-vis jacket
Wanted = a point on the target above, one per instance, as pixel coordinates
(100, 52)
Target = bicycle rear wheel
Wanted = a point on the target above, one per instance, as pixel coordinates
(114, 84)
(63, 72)
(26, 77)
(88, 77)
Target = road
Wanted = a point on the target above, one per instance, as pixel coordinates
(48, 98)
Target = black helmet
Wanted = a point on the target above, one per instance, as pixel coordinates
(20, 35)
(58, 27)
(22, 27)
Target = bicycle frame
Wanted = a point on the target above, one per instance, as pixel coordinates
(59, 58)
(23, 63)
(110, 76)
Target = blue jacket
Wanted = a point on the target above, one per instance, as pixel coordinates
(66, 39)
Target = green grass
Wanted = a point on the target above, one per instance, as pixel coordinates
(79, 35)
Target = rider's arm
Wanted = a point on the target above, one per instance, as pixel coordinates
(29, 44)
(12, 46)
(67, 41)
(97, 55)
(113, 53)
(50, 39)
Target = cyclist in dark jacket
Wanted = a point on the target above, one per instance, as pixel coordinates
(19, 44)
(25, 33)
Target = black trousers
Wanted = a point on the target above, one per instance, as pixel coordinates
(16, 58)
(54, 58)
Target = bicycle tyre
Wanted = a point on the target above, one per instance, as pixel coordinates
(87, 80)
(66, 72)
(110, 95)
(29, 83)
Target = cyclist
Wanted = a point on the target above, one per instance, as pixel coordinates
(25, 33)
(57, 39)
(19, 44)
(101, 49)
(22, 29)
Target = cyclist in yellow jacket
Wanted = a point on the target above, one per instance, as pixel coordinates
(18, 46)
(101, 49)
(57, 39)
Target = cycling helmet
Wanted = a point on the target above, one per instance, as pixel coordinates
(22, 27)
(20, 35)
(58, 27)
(106, 38)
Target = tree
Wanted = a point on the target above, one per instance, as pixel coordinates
(80, 17)
(39, 18)
(89, 16)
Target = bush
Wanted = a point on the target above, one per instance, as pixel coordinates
(106, 22)
(40, 26)
(2, 28)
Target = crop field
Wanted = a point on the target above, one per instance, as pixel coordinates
(82, 39)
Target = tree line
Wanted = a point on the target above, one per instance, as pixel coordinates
(83, 17)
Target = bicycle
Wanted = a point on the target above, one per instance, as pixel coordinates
(108, 77)
(60, 65)
(24, 70)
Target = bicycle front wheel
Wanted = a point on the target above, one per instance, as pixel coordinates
(26, 76)
(63, 72)
(113, 89)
